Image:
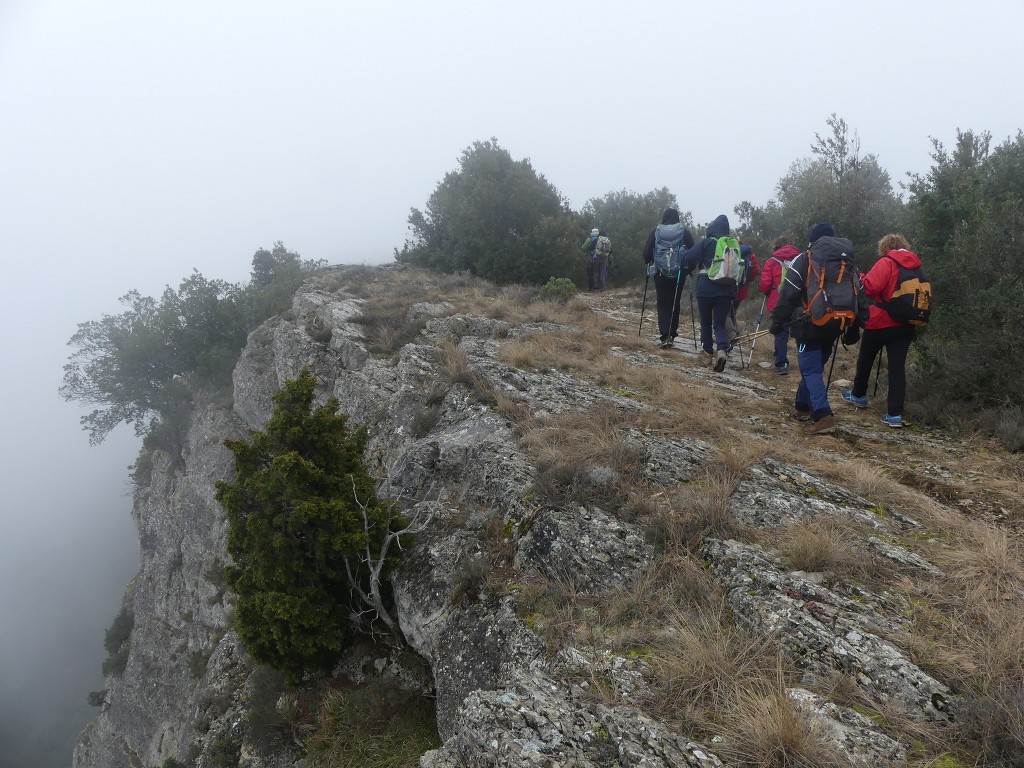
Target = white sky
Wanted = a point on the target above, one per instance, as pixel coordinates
(140, 140)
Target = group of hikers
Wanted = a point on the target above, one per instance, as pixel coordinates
(816, 296)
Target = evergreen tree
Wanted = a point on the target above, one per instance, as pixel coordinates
(305, 526)
(496, 218)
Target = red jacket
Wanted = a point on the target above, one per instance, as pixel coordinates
(880, 282)
(752, 269)
(771, 275)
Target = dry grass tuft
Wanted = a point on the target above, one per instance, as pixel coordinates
(703, 663)
(988, 565)
(768, 730)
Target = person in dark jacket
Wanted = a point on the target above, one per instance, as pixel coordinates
(589, 245)
(883, 332)
(814, 343)
(714, 301)
(783, 253)
(668, 287)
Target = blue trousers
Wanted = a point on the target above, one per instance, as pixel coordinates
(811, 394)
(713, 314)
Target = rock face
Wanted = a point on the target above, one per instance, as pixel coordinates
(502, 699)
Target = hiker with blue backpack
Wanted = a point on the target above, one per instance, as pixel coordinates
(783, 253)
(662, 254)
(717, 260)
(821, 299)
(902, 296)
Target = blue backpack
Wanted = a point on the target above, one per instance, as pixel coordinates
(668, 247)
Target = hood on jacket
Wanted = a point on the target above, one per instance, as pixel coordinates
(719, 227)
(786, 253)
(906, 259)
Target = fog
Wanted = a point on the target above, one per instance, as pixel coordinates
(140, 141)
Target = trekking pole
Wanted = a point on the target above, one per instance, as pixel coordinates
(878, 371)
(693, 323)
(643, 305)
(675, 303)
(753, 335)
(753, 339)
(835, 353)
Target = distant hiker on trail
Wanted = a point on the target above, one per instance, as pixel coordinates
(601, 258)
(662, 254)
(897, 265)
(716, 256)
(751, 268)
(589, 245)
(820, 299)
(783, 253)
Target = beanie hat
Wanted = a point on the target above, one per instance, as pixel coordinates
(824, 229)
(595, 231)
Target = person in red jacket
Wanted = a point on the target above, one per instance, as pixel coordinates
(783, 252)
(882, 332)
(748, 256)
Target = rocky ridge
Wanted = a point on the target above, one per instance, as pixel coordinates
(447, 444)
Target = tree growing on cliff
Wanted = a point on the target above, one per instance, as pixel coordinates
(309, 537)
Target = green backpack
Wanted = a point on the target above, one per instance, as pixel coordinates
(727, 266)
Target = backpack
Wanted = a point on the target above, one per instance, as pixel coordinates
(727, 265)
(603, 248)
(783, 266)
(668, 246)
(911, 302)
(745, 253)
(832, 284)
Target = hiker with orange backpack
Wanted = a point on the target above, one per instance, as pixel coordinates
(902, 297)
(821, 299)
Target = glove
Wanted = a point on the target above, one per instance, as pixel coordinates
(775, 328)
(652, 270)
(851, 336)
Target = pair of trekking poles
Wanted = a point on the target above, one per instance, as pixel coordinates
(693, 323)
(675, 304)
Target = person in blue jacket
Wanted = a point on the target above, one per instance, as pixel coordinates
(713, 301)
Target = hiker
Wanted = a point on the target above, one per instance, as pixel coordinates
(662, 253)
(714, 299)
(751, 269)
(882, 331)
(589, 245)
(817, 321)
(600, 260)
(783, 253)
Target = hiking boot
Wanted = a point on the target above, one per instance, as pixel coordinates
(664, 343)
(720, 359)
(708, 358)
(782, 370)
(823, 426)
(852, 399)
(801, 415)
(893, 421)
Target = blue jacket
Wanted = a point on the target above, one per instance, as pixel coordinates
(699, 257)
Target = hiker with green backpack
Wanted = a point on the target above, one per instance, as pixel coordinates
(662, 254)
(717, 259)
(820, 300)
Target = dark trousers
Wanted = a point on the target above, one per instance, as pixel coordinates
(590, 274)
(812, 392)
(713, 314)
(896, 342)
(669, 293)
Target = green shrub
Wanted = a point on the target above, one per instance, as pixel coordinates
(301, 513)
(558, 289)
